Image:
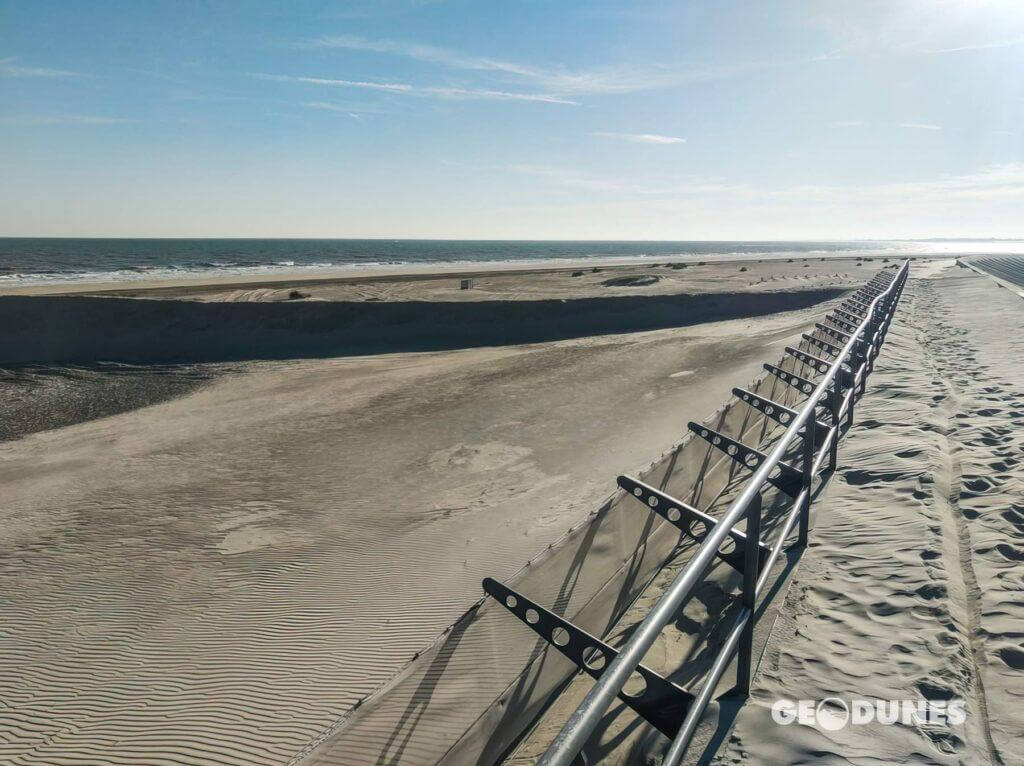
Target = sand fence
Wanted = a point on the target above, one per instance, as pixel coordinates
(472, 694)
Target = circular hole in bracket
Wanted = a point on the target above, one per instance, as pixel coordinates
(674, 514)
(769, 410)
(635, 685)
(727, 547)
(532, 617)
(698, 529)
(511, 602)
(652, 501)
(751, 459)
(594, 658)
(637, 491)
(731, 449)
(717, 440)
(704, 433)
(560, 636)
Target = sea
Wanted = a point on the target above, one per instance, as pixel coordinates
(25, 261)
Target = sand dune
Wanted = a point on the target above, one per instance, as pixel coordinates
(913, 587)
(909, 588)
(245, 575)
(222, 577)
(72, 328)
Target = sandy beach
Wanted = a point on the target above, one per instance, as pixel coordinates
(262, 551)
(268, 549)
(416, 383)
(913, 588)
(908, 588)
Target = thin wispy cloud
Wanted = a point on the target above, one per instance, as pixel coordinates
(427, 53)
(329, 107)
(918, 126)
(645, 188)
(847, 123)
(393, 87)
(495, 95)
(444, 92)
(985, 46)
(992, 183)
(596, 81)
(8, 68)
(641, 138)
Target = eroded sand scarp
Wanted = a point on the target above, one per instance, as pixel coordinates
(912, 588)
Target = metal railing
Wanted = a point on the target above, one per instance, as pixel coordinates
(853, 339)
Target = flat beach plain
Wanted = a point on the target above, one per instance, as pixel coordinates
(222, 576)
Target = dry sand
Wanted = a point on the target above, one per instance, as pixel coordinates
(911, 587)
(223, 576)
(515, 276)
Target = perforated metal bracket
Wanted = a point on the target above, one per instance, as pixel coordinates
(778, 412)
(662, 703)
(803, 385)
(692, 522)
(819, 364)
(856, 305)
(865, 295)
(870, 290)
(842, 325)
(833, 332)
(846, 320)
(824, 345)
(788, 479)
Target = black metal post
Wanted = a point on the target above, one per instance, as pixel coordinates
(751, 566)
(808, 467)
(835, 402)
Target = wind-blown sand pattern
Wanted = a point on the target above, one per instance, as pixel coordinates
(222, 577)
(912, 586)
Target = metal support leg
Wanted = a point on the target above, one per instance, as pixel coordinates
(751, 572)
(808, 477)
(835, 402)
(873, 325)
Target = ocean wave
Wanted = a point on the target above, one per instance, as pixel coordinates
(544, 255)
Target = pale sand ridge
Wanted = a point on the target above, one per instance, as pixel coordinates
(913, 585)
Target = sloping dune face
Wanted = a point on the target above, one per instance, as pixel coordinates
(77, 328)
(913, 588)
(221, 578)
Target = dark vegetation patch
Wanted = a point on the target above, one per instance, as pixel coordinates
(637, 281)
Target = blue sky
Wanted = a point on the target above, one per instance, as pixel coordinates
(520, 119)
